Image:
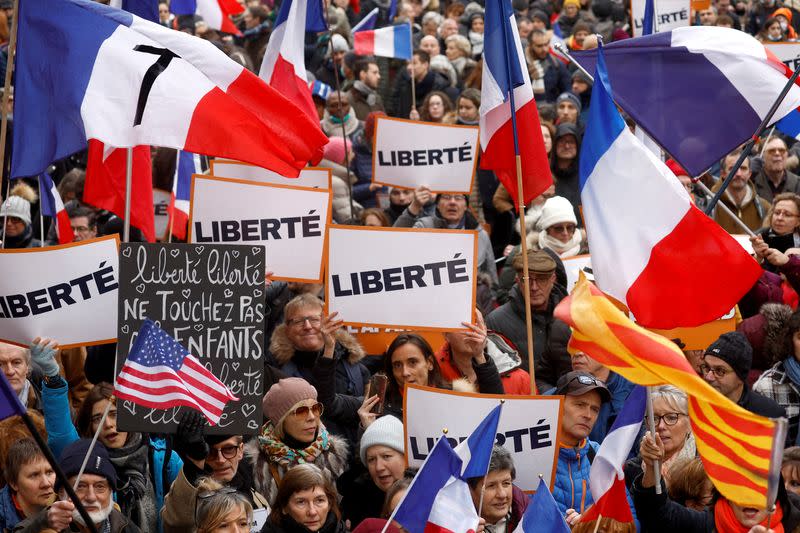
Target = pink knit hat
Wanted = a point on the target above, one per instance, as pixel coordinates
(334, 150)
(284, 395)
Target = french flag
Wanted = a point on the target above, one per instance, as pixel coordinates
(650, 243)
(542, 514)
(668, 81)
(53, 207)
(368, 22)
(504, 70)
(607, 477)
(438, 500)
(284, 64)
(147, 9)
(187, 164)
(216, 13)
(476, 451)
(391, 41)
(89, 71)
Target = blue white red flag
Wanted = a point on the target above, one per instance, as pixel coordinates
(89, 71)
(391, 41)
(651, 267)
(368, 22)
(216, 13)
(542, 514)
(728, 69)
(476, 451)
(504, 70)
(284, 64)
(160, 373)
(187, 164)
(790, 124)
(9, 401)
(146, 9)
(53, 207)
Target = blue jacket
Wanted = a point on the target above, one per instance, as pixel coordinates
(61, 433)
(8, 511)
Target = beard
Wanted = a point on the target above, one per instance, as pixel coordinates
(98, 517)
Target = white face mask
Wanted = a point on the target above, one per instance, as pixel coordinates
(784, 26)
(774, 37)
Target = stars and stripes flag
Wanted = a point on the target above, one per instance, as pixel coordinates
(160, 373)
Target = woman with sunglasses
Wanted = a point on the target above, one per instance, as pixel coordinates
(671, 410)
(306, 503)
(293, 435)
(221, 509)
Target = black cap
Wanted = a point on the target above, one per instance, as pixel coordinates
(578, 382)
(733, 348)
(99, 463)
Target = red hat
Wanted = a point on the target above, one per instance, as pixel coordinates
(676, 169)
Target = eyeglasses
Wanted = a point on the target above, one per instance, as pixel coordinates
(100, 488)
(563, 228)
(670, 419)
(448, 197)
(303, 410)
(203, 497)
(228, 452)
(314, 321)
(583, 379)
(785, 214)
(718, 371)
(81, 229)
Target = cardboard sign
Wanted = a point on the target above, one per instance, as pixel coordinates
(290, 222)
(67, 293)
(409, 153)
(528, 429)
(376, 340)
(210, 298)
(316, 178)
(669, 15)
(788, 53)
(407, 278)
(161, 201)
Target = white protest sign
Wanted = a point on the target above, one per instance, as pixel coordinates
(67, 293)
(574, 265)
(669, 15)
(317, 178)
(409, 278)
(289, 221)
(787, 53)
(259, 519)
(161, 201)
(409, 153)
(528, 427)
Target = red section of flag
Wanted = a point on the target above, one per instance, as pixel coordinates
(613, 504)
(286, 82)
(105, 185)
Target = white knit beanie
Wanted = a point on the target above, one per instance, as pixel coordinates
(16, 206)
(556, 209)
(385, 431)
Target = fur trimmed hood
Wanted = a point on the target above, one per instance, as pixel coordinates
(763, 331)
(283, 350)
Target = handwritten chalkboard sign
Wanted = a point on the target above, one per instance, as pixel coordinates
(211, 299)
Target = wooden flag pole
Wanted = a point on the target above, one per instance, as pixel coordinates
(41, 216)
(651, 424)
(12, 48)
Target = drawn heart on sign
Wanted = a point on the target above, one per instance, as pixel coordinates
(140, 288)
(175, 252)
(248, 409)
(199, 249)
(125, 329)
(228, 293)
(127, 251)
(235, 253)
(129, 406)
(256, 249)
(157, 323)
(198, 327)
(257, 293)
(235, 365)
(186, 293)
(252, 424)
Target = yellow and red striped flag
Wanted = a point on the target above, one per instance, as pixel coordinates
(735, 444)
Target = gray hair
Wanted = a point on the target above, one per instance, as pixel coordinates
(432, 16)
(673, 396)
(501, 460)
(461, 42)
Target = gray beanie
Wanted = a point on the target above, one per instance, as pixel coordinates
(571, 97)
(16, 206)
(385, 431)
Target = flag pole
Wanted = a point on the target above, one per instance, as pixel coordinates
(126, 231)
(597, 524)
(485, 474)
(521, 211)
(12, 48)
(174, 195)
(41, 216)
(57, 469)
(411, 69)
(94, 441)
(651, 423)
(764, 148)
(748, 147)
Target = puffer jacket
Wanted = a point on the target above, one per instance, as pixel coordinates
(571, 490)
(9, 516)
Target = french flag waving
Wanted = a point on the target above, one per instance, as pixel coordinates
(53, 207)
(88, 71)
(391, 41)
(476, 452)
(187, 164)
(216, 13)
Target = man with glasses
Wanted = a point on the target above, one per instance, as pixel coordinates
(725, 367)
(550, 356)
(83, 221)
(774, 178)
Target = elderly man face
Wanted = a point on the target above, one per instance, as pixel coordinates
(449, 27)
(430, 44)
(15, 362)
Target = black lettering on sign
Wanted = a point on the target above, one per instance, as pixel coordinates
(264, 229)
(165, 57)
(425, 157)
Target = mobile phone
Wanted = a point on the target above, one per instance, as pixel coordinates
(377, 385)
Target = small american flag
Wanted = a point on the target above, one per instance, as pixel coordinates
(160, 373)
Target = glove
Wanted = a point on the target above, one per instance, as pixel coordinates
(189, 440)
(43, 353)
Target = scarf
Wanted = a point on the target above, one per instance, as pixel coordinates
(370, 96)
(537, 78)
(337, 120)
(23, 240)
(726, 521)
(23, 394)
(135, 493)
(278, 452)
(569, 249)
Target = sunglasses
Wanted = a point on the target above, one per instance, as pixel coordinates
(303, 410)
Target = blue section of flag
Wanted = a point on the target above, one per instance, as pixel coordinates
(154, 347)
(790, 124)
(499, 48)
(48, 203)
(632, 412)
(440, 466)
(542, 514)
(58, 44)
(9, 402)
(402, 41)
(186, 167)
(392, 10)
(146, 9)
(480, 444)
(183, 7)
(315, 19)
(368, 22)
(649, 17)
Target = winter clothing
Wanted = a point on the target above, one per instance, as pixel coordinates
(760, 405)
(115, 523)
(289, 525)
(515, 380)
(385, 431)
(763, 332)
(552, 72)
(98, 464)
(401, 97)
(620, 388)
(10, 516)
(16, 206)
(284, 395)
(733, 348)
(571, 489)
(779, 386)
(361, 499)
(332, 126)
(751, 211)
(767, 191)
(568, 96)
(364, 100)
